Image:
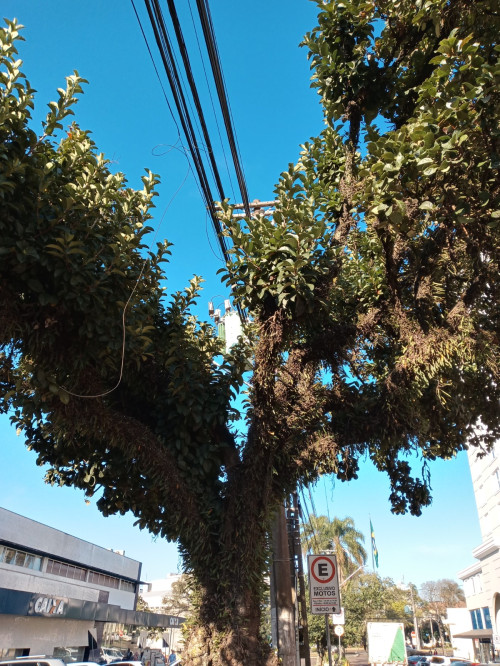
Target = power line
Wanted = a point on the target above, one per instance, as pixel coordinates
(308, 518)
(166, 53)
(194, 92)
(213, 54)
(182, 100)
(211, 98)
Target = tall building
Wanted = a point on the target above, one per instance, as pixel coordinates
(482, 579)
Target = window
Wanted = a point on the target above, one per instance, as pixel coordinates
(487, 618)
(75, 572)
(66, 570)
(477, 619)
(20, 558)
(103, 579)
(126, 585)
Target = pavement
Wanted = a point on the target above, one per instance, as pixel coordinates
(357, 657)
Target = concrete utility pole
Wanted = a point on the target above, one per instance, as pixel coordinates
(293, 516)
(415, 621)
(283, 592)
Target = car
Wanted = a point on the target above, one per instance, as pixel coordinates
(417, 659)
(110, 654)
(35, 660)
(439, 660)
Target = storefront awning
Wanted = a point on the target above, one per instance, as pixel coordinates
(18, 602)
(475, 633)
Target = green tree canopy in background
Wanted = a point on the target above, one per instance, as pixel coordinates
(373, 293)
(369, 598)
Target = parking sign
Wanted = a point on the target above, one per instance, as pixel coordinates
(323, 584)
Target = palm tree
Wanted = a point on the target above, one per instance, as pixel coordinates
(340, 536)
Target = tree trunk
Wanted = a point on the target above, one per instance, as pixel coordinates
(228, 572)
(225, 629)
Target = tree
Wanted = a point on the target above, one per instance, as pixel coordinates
(341, 536)
(373, 293)
(370, 598)
(446, 593)
(440, 595)
(178, 602)
(142, 605)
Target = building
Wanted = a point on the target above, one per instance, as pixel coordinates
(155, 591)
(458, 621)
(482, 579)
(62, 596)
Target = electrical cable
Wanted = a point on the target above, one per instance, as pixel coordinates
(166, 53)
(309, 520)
(213, 54)
(156, 69)
(194, 92)
(202, 60)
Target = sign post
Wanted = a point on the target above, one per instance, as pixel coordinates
(339, 630)
(324, 590)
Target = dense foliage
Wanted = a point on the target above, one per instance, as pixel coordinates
(373, 292)
(370, 598)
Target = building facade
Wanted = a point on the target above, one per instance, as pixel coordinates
(60, 595)
(482, 578)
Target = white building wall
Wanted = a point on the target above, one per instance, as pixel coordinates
(36, 536)
(42, 635)
(458, 621)
(482, 579)
(158, 589)
(18, 578)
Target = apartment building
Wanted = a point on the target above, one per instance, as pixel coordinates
(482, 578)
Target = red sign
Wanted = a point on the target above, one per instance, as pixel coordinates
(322, 569)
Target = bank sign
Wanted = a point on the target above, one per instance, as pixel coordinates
(323, 584)
(41, 604)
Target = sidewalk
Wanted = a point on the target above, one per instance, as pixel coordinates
(357, 657)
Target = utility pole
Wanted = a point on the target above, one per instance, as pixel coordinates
(283, 592)
(294, 512)
(264, 208)
(415, 622)
(328, 640)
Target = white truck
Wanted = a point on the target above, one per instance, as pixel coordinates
(386, 643)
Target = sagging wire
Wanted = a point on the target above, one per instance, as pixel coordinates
(124, 312)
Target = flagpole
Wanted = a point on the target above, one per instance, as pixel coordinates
(371, 541)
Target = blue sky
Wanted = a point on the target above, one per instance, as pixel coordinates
(274, 111)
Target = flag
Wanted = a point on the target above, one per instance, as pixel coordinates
(374, 545)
